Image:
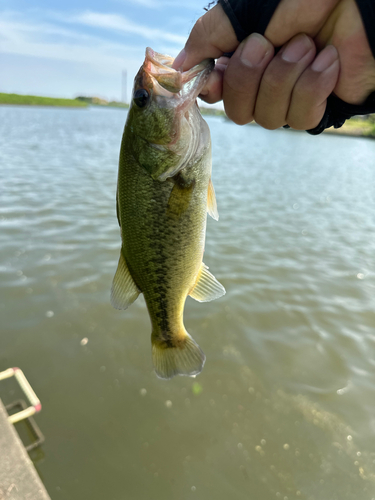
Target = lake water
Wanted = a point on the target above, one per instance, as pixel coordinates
(285, 406)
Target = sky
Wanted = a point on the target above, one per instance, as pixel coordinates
(81, 47)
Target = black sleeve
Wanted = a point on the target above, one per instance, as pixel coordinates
(249, 16)
(367, 10)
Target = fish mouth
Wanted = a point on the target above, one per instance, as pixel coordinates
(184, 87)
(176, 91)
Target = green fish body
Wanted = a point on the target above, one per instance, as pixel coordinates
(163, 194)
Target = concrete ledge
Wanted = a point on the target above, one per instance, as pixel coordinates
(18, 478)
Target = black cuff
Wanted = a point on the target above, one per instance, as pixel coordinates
(337, 111)
(367, 10)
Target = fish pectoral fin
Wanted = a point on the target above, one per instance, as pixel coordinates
(211, 202)
(124, 291)
(180, 197)
(207, 287)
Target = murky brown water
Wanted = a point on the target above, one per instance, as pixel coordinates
(285, 406)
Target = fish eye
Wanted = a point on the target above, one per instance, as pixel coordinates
(141, 97)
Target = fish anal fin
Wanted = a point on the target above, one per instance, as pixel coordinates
(206, 287)
(124, 291)
(211, 202)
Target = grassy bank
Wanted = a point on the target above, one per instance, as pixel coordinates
(357, 127)
(97, 101)
(211, 111)
(78, 102)
(34, 100)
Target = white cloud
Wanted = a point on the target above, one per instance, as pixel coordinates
(160, 4)
(151, 4)
(118, 22)
(39, 43)
(38, 40)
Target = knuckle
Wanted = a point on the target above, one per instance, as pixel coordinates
(198, 32)
(203, 26)
(305, 117)
(199, 35)
(236, 85)
(305, 122)
(297, 124)
(265, 124)
(241, 79)
(271, 83)
(306, 91)
(207, 28)
(209, 98)
(242, 119)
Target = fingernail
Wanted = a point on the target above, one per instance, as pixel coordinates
(254, 50)
(179, 61)
(296, 49)
(325, 59)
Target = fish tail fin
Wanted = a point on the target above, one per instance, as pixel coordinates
(176, 354)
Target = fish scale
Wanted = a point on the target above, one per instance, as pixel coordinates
(150, 235)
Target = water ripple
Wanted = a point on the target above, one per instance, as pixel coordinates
(290, 372)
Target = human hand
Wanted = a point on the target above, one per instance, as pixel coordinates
(275, 90)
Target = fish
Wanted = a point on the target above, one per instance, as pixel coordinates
(164, 191)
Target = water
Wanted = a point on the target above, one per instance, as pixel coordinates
(284, 408)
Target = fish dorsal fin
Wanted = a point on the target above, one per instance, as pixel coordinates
(124, 291)
(211, 202)
(206, 287)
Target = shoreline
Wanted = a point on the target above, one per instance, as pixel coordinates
(355, 127)
(78, 102)
(32, 100)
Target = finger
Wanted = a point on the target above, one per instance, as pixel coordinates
(213, 89)
(243, 75)
(357, 67)
(223, 60)
(310, 93)
(279, 79)
(298, 16)
(211, 36)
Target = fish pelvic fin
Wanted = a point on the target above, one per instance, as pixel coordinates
(176, 355)
(124, 291)
(206, 287)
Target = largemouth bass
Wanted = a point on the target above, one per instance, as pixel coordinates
(164, 191)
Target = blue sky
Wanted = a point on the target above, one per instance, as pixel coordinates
(69, 48)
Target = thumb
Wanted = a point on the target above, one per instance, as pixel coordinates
(211, 36)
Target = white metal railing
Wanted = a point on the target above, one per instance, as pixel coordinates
(36, 405)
